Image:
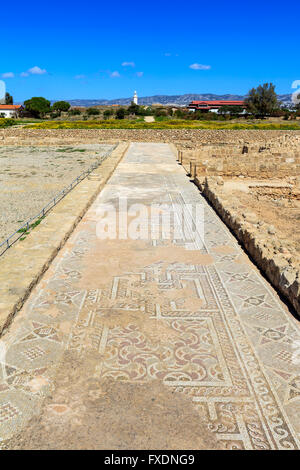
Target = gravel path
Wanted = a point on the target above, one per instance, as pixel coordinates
(31, 176)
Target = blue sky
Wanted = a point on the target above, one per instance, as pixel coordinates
(94, 49)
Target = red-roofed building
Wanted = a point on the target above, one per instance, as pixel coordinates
(214, 106)
(10, 110)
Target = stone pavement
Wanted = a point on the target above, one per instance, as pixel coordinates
(151, 344)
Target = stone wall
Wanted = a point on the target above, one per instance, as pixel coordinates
(270, 159)
(279, 265)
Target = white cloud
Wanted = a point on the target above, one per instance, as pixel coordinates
(200, 67)
(128, 64)
(140, 74)
(78, 77)
(33, 71)
(115, 74)
(8, 75)
(37, 71)
(167, 54)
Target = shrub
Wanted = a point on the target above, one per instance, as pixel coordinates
(74, 112)
(108, 113)
(161, 118)
(92, 112)
(120, 114)
(6, 122)
(160, 112)
(54, 115)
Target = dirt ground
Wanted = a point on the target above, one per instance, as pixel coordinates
(275, 203)
(31, 176)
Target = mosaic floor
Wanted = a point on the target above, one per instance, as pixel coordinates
(190, 322)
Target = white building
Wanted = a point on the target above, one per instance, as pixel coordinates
(10, 110)
(135, 98)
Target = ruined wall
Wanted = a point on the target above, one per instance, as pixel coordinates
(272, 159)
(184, 139)
(281, 267)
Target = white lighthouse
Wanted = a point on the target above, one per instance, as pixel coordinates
(135, 98)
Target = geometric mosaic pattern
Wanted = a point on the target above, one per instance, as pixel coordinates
(7, 412)
(206, 325)
(33, 353)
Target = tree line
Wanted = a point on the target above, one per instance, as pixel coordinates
(260, 102)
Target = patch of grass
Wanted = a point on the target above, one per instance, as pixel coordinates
(168, 124)
(25, 230)
(64, 149)
(70, 150)
(36, 223)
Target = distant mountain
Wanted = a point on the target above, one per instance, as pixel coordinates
(178, 100)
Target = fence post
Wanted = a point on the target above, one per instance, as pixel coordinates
(195, 172)
(192, 165)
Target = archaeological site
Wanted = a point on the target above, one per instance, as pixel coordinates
(176, 329)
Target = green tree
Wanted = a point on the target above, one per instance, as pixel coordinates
(262, 101)
(120, 114)
(8, 99)
(108, 113)
(92, 112)
(146, 111)
(74, 112)
(61, 106)
(133, 109)
(179, 113)
(160, 112)
(37, 106)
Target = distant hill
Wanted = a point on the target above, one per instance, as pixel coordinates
(178, 100)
